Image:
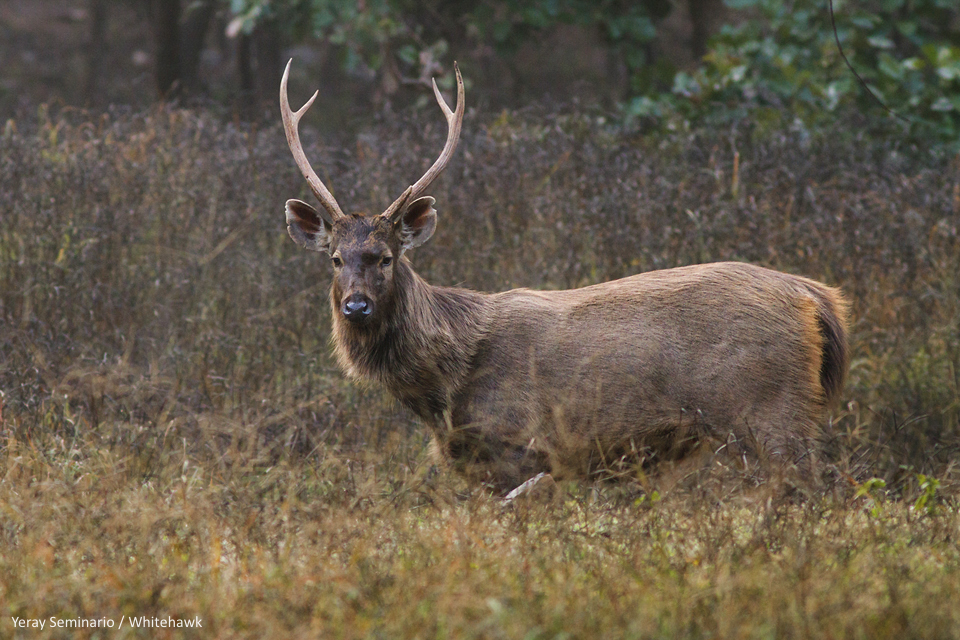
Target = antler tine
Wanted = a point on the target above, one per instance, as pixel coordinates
(291, 122)
(454, 123)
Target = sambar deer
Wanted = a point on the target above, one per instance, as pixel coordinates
(525, 382)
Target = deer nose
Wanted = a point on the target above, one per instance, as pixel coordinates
(357, 307)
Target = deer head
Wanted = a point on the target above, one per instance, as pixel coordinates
(365, 251)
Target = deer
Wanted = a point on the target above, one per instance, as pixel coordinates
(525, 384)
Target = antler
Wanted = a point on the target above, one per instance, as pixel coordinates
(454, 122)
(291, 121)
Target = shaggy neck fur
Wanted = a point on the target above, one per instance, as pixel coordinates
(422, 346)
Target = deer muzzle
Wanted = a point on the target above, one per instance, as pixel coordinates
(356, 307)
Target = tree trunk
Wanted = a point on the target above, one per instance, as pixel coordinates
(247, 95)
(704, 16)
(95, 51)
(193, 32)
(269, 59)
(167, 33)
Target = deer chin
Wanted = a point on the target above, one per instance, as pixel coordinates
(366, 328)
(359, 323)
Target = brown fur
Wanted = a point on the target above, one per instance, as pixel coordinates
(520, 382)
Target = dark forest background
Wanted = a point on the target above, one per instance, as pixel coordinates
(664, 63)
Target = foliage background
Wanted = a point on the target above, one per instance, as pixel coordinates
(670, 64)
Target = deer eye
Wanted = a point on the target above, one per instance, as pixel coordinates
(385, 262)
(337, 262)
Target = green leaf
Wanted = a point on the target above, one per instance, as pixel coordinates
(501, 30)
(741, 4)
(864, 22)
(833, 94)
(685, 85)
(322, 19)
(891, 6)
(890, 66)
(408, 53)
(913, 64)
(880, 42)
(942, 104)
(643, 106)
(907, 27)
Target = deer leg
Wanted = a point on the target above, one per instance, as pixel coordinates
(540, 488)
(788, 448)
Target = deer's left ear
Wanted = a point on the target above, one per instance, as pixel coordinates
(417, 223)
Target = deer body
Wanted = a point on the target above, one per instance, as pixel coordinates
(523, 382)
(565, 382)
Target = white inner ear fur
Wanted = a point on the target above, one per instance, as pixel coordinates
(417, 223)
(306, 227)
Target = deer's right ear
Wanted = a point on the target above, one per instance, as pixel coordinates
(307, 228)
(417, 223)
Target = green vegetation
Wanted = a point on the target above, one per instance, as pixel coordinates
(771, 58)
(175, 439)
(387, 33)
(907, 51)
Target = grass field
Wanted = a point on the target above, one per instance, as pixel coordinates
(177, 443)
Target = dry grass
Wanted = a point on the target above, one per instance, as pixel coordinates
(354, 548)
(176, 441)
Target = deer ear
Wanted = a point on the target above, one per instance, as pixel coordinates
(417, 223)
(306, 227)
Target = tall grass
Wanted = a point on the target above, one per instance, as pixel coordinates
(176, 440)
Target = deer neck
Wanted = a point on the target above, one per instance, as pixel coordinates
(422, 350)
